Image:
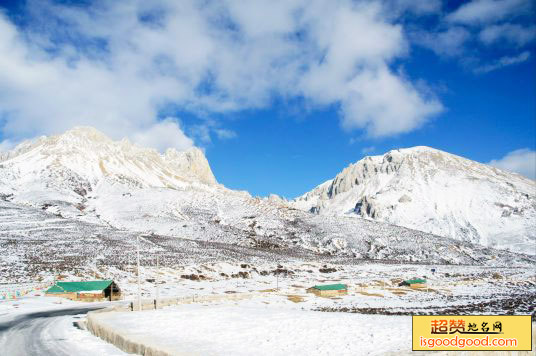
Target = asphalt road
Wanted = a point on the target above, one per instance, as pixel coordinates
(39, 333)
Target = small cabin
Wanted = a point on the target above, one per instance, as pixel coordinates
(414, 283)
(329, 290)
(87, 291)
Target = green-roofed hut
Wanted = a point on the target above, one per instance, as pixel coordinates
(329, 290)
(414, 283)
(88, 291)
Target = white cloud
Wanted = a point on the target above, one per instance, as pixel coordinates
(367, 150)
(418, 7)
(225, 134)
(201, 133)
(354, 73)
(522, 161)
(503, 62)
(485, 11)
(385, 104)
(162, 135)
(464, 33)
(513, 33)
(116, 65)
(446, 43)
(207, 130)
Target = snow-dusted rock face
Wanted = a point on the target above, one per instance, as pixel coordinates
(433, 191)
(81, 158)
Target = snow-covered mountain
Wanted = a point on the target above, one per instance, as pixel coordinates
(72, 199)
(78, 161)
(433, 191)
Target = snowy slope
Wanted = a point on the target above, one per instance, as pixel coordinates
(85, 198)
(433, 191)
(34, 243)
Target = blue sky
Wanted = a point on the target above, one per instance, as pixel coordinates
(281, 95)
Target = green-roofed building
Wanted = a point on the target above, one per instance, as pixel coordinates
(414, 283)
(329, 290)
(86, 290)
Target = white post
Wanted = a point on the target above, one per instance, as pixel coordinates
(139, 281)
(157, 286)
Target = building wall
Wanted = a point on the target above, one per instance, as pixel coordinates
(418, 285)
(85, 297)
(90, 297)
(327, 293)
(71, 296)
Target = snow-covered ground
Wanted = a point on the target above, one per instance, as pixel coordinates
(35, 243)
(271, 325)
(373, 288)
(281, 317)
(38, 325)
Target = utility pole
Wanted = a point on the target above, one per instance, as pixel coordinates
(139, 280)
(157, 282)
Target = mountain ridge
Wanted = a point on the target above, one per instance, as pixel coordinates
(59, 182)
(434, 191)
(87, 152)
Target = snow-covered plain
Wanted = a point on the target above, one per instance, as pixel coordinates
(271, 326)
(373, 288)
(282, 318)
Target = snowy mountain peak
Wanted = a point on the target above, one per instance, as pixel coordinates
(83, 157)
(418, 149)
(433, 191)
(88, 133)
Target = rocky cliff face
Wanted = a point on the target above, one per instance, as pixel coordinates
(433, 191)
(192, 163)
(83, 157)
